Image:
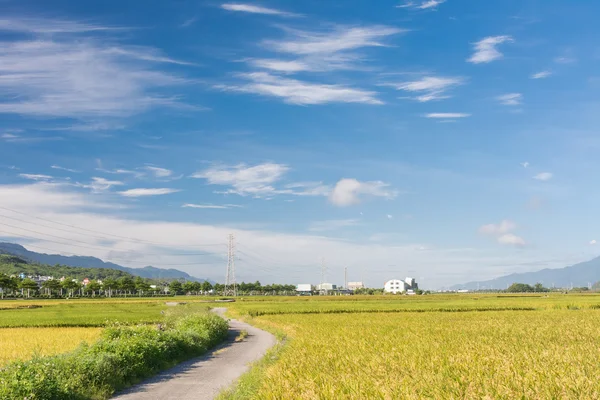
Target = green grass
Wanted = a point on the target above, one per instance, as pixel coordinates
(82, 314)
(123, 356)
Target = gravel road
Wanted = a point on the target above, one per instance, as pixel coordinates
(203, 378)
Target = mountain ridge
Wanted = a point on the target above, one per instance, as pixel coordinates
(93, 262)
(576, 275)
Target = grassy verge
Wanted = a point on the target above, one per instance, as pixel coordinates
(248, 385)
(123, 356)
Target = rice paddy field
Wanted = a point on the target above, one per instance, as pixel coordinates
(436, 347)
(467, 346)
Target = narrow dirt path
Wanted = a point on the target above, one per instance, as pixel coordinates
(204, 377)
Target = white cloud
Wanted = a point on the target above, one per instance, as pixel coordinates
(298, 92)
(211, 206)
(525, 164)
(447, 115)
(332, 225)
(45, 26)
(543, 176)
(351, 191)
(337, 40)
(147, 192)
(102, 184)
(430, 87)
(287, 66)
(565, 60)
(389, 216)
(245, 180)
(511, 239)
(64, 169)
(486, 51)
(36, 177)
(502, 233)
(9, 136)
(248, 8)
(289, 257)
(159, 172)
(72, 76)
(510, 99)
(593, 242)
(498, 229)
(424, 5)
(541, 75)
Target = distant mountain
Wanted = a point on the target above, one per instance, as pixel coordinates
(93, 262)
(577, 275)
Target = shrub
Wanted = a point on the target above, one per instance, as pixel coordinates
(123, 356)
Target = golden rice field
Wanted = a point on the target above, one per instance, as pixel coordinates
(544, 353)
(24, 343)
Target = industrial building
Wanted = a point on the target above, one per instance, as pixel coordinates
(304, 289)
(408, 286)
(355, 285)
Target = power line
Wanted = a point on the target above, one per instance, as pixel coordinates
(104, 233)
(117, 259)
(88, 246)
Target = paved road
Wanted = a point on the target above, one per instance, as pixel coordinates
(203, 378)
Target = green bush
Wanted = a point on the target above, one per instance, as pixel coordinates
(123, 356)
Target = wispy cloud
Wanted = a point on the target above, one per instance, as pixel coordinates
(245, 180)
(424, 5)
(64, 169)
(45, 26)
(486, 49)
(159, 172)
(429, 87)
(253, 9)
(349, 192)
(13, 138)
(502, 233)
(447, 115)
(188, 22)
(332, 225)
(211, 206)
(36, 177)
(99, 184)
(330, 49)
(121, 171)
(541, 75)
(543, 176)
(334, 41)
(74, 76)
(299, 92)
(565, 60)
(143, 192)
(510, 99)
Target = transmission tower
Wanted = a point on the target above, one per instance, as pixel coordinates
(230, 285)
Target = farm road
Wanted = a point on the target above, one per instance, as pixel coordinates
(204, 377)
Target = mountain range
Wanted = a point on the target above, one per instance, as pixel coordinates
(93, 262)
(577, 275)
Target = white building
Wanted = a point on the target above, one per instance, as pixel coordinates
(397, 286)
(303, 288)
(355, 285)
(326, 286)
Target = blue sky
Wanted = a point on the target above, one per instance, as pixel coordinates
(446, 140)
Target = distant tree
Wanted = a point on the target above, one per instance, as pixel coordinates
(142, 286)
(206, 287)
(93, 287)
(538, 287)
(127, 285)
(109, 285)
(50, 286)
(28, 285)
(520, 288)
(219, 287)
(70, 286)
(4, 283)
(188, 287)
(175, 287)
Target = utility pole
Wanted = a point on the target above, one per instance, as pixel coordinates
(323, 273)
(230, 284)
(346, 278)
